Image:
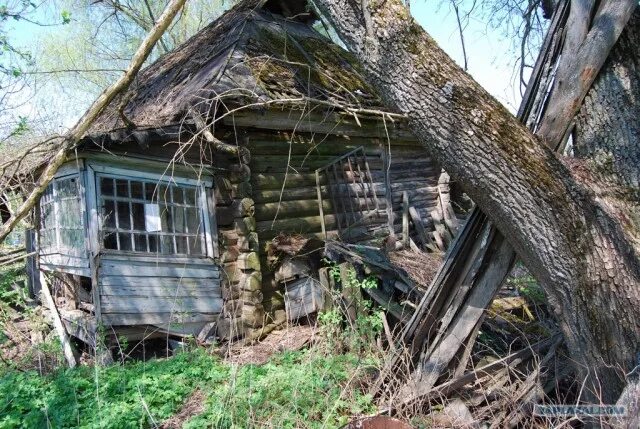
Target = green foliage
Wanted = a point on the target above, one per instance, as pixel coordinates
(359, 336)
(298, 389)
(294, 390)
(66, 16)
(12, 286)
(112, 397)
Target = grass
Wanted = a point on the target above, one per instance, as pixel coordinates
(295, 389)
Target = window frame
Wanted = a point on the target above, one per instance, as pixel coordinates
(203, 195)
(58, 247)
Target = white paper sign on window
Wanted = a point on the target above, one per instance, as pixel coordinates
(152, 218)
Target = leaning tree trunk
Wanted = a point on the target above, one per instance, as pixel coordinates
(575, 240)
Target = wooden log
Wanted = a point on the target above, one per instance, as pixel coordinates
(231, 328)
(249, 261)
(239, 173)
(245, 226)
(423, 236)
(253, 315)
(229, 255)
(228, 238)
(230, 273)
(251, 281)
(249, 242)
(242, 190)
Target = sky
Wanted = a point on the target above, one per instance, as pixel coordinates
(489, 52)
(490, 55)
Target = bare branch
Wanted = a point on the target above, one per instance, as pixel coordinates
(89, 117)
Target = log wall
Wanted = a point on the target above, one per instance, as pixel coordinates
(285, 193)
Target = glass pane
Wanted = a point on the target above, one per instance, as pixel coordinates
(166, 216)
(163, 194)
(109, 214)
(106, 186)
(167, 245)
(137, 211)
(122, 188)
(124, 221)
(195, 245)
(178, 198)
(190, 196)
(136, 190)
(193, 220)
(47, 216)
(153, 243)
(72, 238)
(67, 188)
(47, 238)
(181, 244)
(110, 241)
(150, 192)
(48, 194)
(70, 213)
(178, 213)
(140, 240)
(125, 241)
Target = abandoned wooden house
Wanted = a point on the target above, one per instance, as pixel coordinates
(258, 126)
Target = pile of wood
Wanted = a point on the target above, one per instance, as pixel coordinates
(435, 323)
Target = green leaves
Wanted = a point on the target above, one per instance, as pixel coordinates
(66, 17)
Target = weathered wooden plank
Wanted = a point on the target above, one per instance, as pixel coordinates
(124, 319)
(85, 272)
(123, 290)
(143, 305)
(158, 282)
(137, 269)
(64, 260)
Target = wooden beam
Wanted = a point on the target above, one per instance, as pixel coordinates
(57, 322)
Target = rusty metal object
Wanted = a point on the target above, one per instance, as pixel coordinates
(378, 422)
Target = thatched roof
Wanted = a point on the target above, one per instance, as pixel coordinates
(249, 55)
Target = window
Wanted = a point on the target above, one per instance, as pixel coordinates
(151, 217)
(61, 217)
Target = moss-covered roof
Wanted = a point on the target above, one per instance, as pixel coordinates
(248, 56)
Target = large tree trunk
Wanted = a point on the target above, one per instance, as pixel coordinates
(575, 241)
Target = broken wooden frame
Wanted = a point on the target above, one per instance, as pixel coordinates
(349, 172)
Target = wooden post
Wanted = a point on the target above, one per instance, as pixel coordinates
(57, 322)
(319, 191)
(405, 220)
(386, 165)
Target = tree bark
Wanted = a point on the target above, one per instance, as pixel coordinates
(572, 241)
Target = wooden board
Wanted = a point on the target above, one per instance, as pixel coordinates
(144, 305)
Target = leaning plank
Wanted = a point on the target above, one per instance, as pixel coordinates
(57, 322)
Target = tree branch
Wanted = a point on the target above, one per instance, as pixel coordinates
(89, 117)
